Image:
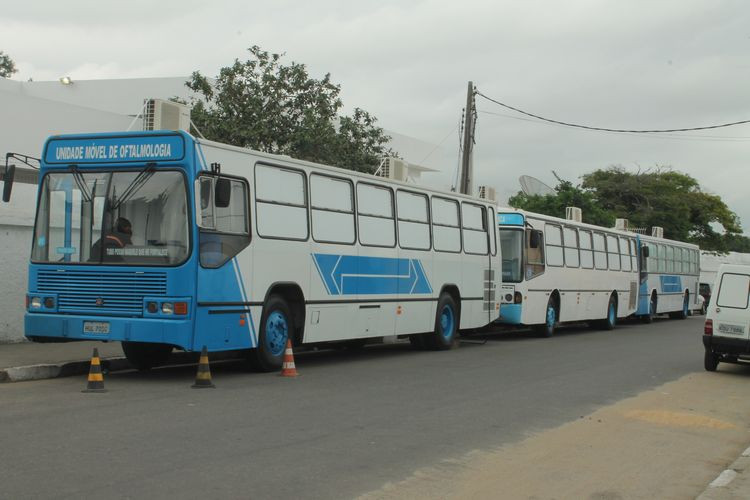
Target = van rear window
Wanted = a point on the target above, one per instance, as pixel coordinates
(734, 290)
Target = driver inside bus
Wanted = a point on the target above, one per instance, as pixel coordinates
(120, 237)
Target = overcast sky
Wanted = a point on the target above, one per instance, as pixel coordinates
(617, 64)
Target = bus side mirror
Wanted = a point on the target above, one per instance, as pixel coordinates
(644, 252)
(10, 173)
(534, 239)
(223, 192)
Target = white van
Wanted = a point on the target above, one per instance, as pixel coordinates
(726, 335)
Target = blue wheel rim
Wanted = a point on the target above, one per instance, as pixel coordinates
(447, 322)
(550, 317)
(277, 333)
(612, 314)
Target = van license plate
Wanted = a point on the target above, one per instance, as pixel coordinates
(95, 327)
(732, 329)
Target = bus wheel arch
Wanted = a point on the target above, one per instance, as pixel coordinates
(684, 312)
(653, 302)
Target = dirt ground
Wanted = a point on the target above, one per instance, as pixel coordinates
(666, 443)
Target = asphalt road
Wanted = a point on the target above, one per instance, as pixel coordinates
(350, 423)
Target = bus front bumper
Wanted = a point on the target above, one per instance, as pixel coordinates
(510, 314)
(42, 327)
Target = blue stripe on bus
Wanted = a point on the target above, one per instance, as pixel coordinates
(510, 219)
(361, 275)
(670, 284)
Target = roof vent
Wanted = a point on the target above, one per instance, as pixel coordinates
(621, 224)
(573, 213)
(657, 232)
(165, 115)
(487, 193)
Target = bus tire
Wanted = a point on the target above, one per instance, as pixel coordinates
(445, 335)
(276, 324)
(710, 360)
(684, 313)
(649, 317)
(551, 316)
(146, 355)
(610, 321)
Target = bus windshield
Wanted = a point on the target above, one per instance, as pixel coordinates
(511, 244)
(114, 218)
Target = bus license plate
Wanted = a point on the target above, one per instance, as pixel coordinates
(95, 327)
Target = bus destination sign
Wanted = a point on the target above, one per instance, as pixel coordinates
(115, 149)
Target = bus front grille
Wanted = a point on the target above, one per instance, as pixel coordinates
(118, 292)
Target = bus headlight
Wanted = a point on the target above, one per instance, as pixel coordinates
(517, 298)
(35, 303)
(167, 308)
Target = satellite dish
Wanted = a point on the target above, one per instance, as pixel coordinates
(533, 186)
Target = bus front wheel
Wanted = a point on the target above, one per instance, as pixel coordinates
(547, 329)
(276, 324)
(447, 318)
(146, 355)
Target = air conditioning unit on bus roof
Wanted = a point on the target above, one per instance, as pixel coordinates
(159, 114)
(573, 213)
(621, 224)
(657, 232)
(400, 170)
(487, 193)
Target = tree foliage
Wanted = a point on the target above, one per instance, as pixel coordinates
(7, 66)
(657, 197)
(263, 104)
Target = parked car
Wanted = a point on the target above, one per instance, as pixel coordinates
(726, 334)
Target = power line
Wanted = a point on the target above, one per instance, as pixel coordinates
(675, 137)
(603, 129)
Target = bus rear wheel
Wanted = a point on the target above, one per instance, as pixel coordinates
(684, 312)
(276, 323)
(146, 355)
(445, 335)
(547, 329)
(610, 321)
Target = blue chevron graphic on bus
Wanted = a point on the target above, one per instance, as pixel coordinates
(358, 275)
(670, 284)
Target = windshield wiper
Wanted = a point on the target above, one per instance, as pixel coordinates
(81, 183)
(143, 176)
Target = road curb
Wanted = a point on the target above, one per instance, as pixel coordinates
(722, 487)
(72, 368)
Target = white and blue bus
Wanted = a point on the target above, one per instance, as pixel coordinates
(669, 277)
(559, 270)
(161, 241)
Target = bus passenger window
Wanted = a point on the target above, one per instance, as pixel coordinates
(534, 253)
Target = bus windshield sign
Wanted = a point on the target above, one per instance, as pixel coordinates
(510, 219)
(115, 149)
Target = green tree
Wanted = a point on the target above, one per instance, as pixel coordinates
(566, 195)
(263, 104)
(658, 197)
(666, 198)
(7, 66)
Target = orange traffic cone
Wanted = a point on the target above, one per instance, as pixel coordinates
(96, 379)
(288, 369)
(203, 377)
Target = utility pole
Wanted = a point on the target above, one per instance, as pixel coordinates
(467, 175)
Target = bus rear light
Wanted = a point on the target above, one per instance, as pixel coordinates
(180, 308)
(708, 328)
(517, 298)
